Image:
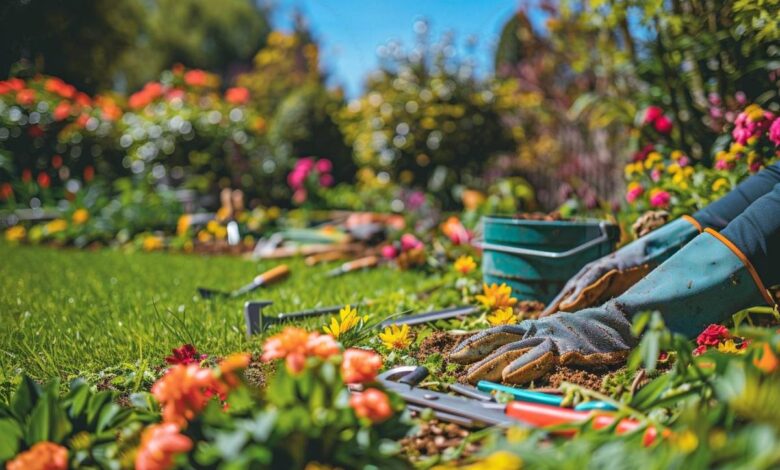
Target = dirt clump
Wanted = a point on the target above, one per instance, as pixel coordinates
(529, 309)
(554, 215)
(434, 437)
(257, 373)
(591, 379)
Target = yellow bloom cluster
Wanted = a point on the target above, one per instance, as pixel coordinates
(56, 226)
(348, 319)
(502, 316)
(496, 297)
(15, 233)
(395, 337)
(465, 264)
(80, 216)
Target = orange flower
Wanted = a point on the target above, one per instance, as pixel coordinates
(160, 443)
(372, 404)
(230, 365)
(294, 345)
(184, 391)
(768, 361)
(496, 296)
(25, 97)
(237, 95)
(360, 366)
(41, 456)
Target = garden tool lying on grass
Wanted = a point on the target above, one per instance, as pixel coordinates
(256, 322)
(354, 265)
(272, 275)
(478, 409)
(705, 282)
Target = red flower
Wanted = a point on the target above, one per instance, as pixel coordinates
(663, 125)
(82, 120)
(700, 350)
(652, 113)
(89, 173)
(176, 93)
(56, 161)
(712, 335)
(160, 443)
(25, 97)
(642, 154)
(195, 77)
(83, 100)
(372, 404)
(44, 180)
(360, 366)
(237, 95)
(15, 84)
(6, 191)
(62, 111)
(186, 354)
(35, 131)
(26, 175)
(56, 85)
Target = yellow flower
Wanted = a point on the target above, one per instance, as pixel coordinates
(730, 347)
(719, 184)
(465, 264)
(396, 337)
(674, 168)
(501, 460)
(633, 169)
(496, 296)
(183, 224)
(56, 225)
(218, 230)
(754, 112)
(204, 236)
(686, 441)
(80, 216)
(348, 319)
(677, 154)
(15, 233)
(152, 243)
(502, 316)
(652, 159)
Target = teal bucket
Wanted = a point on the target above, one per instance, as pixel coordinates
(537, 257)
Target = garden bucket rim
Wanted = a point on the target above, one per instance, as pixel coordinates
(509, 220)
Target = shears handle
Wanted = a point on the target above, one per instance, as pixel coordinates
(543, 416)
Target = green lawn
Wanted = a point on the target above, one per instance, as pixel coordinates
(71, 313)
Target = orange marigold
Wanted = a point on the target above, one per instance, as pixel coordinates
(160, 443)
(294, 345)
(184, 391)
(372, 404)
(360, 366)
(41, 456)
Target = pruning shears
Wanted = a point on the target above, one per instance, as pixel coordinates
(475, 408)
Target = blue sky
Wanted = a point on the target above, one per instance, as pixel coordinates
(349, 31)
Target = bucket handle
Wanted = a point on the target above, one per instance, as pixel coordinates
(546, 254)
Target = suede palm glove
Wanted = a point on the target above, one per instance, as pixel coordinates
(523, 352)
(613, 274)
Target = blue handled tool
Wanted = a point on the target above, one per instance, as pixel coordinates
(529, 396)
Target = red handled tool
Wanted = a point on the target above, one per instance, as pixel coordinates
(480, 409)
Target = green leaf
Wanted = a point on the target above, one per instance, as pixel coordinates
(650, 392)
(9, 443)
(48, 422)
(25, 398)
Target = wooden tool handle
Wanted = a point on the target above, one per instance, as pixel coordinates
(324, 257)
(274, 274)
(367, 262)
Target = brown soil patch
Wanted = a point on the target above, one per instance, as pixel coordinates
(258, 372)
(555, 215)
(591, 379)
(434, 437)
(529, 309)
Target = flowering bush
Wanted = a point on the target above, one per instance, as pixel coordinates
(308, 177)
(182, 131)
(53, 139)
(660, 177)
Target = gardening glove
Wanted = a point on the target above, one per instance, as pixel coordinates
(526, 351)
(704, 282)
(611, 275)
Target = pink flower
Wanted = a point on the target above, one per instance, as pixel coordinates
(326, 180)
(700, 350)
(774, 132)
(684, 161)
(372, 404)
(660, 198)
(712, 335)
(360, 366)
(663, 125)
(409, 242)
(634, 192)
(389, 252)
(304, 164)
(755, 166)
(652, 113)
(160, 443)
(642, 154)
(323, 165)
(300, 195)
(655, 175)
(722, 165)
(296, 178)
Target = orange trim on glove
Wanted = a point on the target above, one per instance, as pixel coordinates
(746, 262)
(693, 222)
